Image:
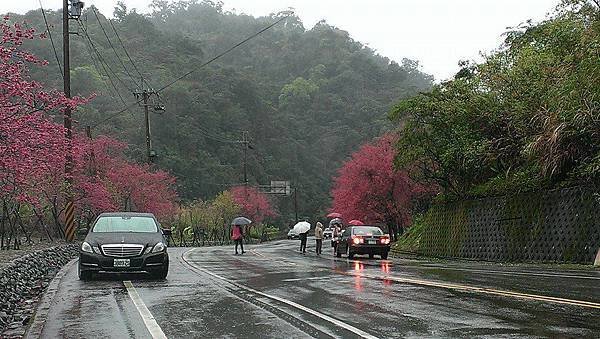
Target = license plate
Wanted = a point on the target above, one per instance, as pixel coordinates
(372, 242)
(121, 263)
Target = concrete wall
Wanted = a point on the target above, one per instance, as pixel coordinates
(550, 226)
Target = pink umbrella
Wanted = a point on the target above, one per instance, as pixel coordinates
(356, 222)
(334, 215)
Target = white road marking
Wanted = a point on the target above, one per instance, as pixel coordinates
(151, 324)
(511, 273)
(317, 314)
(311, 278)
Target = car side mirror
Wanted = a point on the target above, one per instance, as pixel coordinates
(82, 231)
(166, 231)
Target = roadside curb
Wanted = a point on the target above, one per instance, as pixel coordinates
(41, 313)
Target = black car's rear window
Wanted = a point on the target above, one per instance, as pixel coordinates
(367, 230)
(125, 224)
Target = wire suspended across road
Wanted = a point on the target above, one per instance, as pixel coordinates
(113, 47)
(51, 40)
(101, 58)
(93, 50)
(127, 54)
(218, 56)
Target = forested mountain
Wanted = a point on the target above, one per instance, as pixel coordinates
(307, 97)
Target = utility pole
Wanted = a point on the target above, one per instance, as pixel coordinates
(296, 203)
(245, 143)
(143, 97)
(92, 162)
(68, 13)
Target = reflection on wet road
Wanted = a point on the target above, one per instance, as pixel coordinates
(275, 292)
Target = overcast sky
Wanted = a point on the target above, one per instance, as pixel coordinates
(438, 33)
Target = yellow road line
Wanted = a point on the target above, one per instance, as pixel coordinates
(462, 287)
(482, 290)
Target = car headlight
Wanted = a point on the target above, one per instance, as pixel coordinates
(158, 247)
(85, 247)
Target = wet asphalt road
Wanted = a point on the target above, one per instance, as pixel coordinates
(273, 291)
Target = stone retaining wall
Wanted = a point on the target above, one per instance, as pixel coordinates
(558, 226)
(22, 283)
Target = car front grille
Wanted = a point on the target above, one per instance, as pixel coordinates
(122, 250)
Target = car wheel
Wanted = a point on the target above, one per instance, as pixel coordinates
(82, 274)
(384, 255)
(349, 253)
(162, 272)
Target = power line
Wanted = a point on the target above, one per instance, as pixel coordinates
(127, 54)
(194, 70)
(214, 137)
(112, 47)
(224, 52)
(84, 29)
(51, 40)
(90, 52)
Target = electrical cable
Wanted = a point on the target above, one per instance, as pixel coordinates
(194, 70)
(127, 54)
(113, 47)
(51, 40)
(223, 53)
(100, 57)
(90, 52)
(214, 137)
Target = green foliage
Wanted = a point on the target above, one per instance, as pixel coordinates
(526, 118)
(410, 239)
(308, 97)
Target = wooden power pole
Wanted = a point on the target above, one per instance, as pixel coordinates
(143, 98)
(68, 124)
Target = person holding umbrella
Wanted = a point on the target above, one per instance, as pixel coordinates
(237, 232)
(302, 229)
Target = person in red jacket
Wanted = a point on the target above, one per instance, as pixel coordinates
(237, 234)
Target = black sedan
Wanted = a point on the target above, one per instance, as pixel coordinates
(363, 240)
(124, 242)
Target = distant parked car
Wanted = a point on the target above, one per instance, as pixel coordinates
(130, 242)
(328, 233)
(292, 234)
(363, 240)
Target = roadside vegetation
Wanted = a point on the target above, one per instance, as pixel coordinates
(527, 118)
(33, 152)
(209, 222)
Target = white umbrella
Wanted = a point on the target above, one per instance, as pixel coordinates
(301, 227)
(241, 221)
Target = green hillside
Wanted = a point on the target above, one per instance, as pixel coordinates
(307, 97)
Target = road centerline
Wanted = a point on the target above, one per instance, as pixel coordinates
(151, 324)
(469, 288)
(339, 323)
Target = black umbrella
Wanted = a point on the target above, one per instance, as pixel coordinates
(241, 221)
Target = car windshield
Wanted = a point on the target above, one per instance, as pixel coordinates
(369, 230)
(125, 224)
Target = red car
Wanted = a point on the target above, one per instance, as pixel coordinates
(363, 240)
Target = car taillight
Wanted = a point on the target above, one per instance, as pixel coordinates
(357, 239)
(384, 240)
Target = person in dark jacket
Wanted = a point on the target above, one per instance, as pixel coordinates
(303, 237)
